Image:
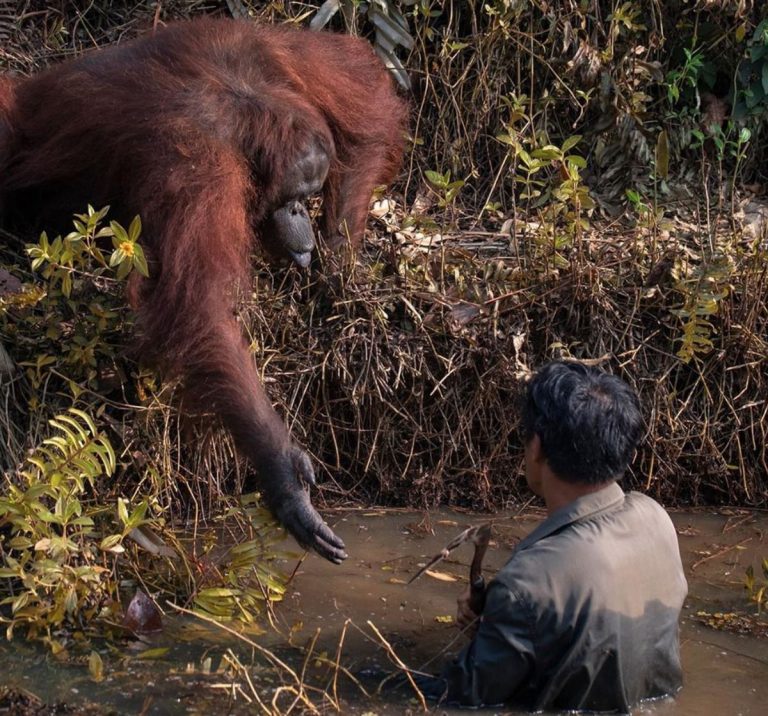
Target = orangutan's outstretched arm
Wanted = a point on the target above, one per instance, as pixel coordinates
(200, 235)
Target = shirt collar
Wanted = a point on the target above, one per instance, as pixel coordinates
(581, 508)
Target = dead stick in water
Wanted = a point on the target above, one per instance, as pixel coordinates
(302, 688)
(399, 663)
(719, 553)
(339, 647)
(728, 526)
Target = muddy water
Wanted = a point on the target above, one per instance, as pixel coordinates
(725, 673)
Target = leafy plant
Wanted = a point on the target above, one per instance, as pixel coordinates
(447, 190)
(72, 322)
(730, 141)
(549, 178)
(685, 76)
(59, 261)
(647, 215)
(247, 576)
(704, 289)
(564, 185)
(64, 524)
(57, 568)
(757, 588)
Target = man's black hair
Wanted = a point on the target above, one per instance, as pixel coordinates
(588, 421)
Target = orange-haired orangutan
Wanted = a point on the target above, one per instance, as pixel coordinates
(214, 131)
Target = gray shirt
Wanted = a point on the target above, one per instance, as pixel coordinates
(584, 615)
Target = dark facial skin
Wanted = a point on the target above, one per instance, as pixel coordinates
(288, 228)
(307, 174)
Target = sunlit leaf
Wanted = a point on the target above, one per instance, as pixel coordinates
(440, 576)
(96, 667)
(152, 654)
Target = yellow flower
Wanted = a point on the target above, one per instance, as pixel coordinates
(127, 248)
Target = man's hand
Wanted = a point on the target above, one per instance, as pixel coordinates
(465, 618)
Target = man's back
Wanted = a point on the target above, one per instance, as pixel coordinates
(584, 615)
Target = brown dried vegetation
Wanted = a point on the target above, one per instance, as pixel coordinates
(400, 375)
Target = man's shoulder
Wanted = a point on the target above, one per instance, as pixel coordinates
(641, 498)
(647, 507)
(529, 570)
(579, 547)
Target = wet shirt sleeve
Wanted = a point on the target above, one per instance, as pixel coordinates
(499, 661)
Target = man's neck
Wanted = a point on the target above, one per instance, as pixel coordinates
(558, 493)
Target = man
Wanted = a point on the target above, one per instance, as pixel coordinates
(585, 613)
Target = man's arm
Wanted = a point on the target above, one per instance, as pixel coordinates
(500, 658)
(466, 618)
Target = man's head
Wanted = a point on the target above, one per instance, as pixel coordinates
(582, 423)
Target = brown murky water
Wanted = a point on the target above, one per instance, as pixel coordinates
(725, 672)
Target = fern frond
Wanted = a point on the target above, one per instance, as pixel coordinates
(79, 452)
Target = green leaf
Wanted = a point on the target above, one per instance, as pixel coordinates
(216, 593)
(122, 510)
(110, 542)
(745, 135)
(134, 230)
(82, 522)
(123, 270)
(57, 422)
(548, 153)
(137, 516)
(523, 155)
(66, 430)
(140, 261)
(156, 653)
(86, 419)
(120, 234)
(571, 142)
(107, 456)
(66, 285)
(437, 180)
(117, 258)
(577, 161)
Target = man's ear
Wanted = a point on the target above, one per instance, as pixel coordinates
(537, 453)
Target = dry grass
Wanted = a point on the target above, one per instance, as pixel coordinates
(402, 378)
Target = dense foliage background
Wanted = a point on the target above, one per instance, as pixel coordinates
(583, 179)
